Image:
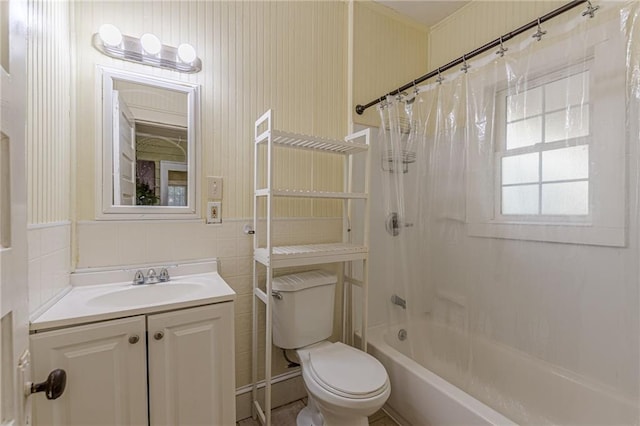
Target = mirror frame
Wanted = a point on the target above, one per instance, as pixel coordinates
(105, 209)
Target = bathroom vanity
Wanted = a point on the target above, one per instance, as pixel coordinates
(136, 355)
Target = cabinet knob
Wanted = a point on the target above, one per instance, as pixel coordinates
(54, 386)
(158, 335)
(134, 339)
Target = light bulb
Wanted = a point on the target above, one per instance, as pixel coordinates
(110, 35)
(186, 53)
(151, 44)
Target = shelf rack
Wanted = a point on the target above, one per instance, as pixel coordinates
(273, 257)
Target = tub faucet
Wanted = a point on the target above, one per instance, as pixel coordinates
(397, 300)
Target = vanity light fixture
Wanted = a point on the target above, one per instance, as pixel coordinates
(146, 50)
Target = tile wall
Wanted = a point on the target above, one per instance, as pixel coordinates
(49, 261)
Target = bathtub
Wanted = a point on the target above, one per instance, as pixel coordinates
(521, 389)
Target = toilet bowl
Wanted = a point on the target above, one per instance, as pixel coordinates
(344, 385)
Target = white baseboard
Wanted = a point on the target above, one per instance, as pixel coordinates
(395, 416)
(285, 388)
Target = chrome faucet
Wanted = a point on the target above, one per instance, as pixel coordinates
(152, 277)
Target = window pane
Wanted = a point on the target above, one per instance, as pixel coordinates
(524, 133)
(177, 195)
(520, 169)
(568, 91)
(520, 199)
(524, 104)
(566, 163)
(567, 124)
(571, 198)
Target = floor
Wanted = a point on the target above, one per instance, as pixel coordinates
(286, 416)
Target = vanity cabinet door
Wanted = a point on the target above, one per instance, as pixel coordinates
(191, 366)
(106, 374)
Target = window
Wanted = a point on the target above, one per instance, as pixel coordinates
(543, 150)
(549, 162)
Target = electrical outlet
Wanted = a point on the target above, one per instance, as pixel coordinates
(214, 213)
(214, 187)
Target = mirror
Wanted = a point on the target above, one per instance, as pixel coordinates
(149, 142)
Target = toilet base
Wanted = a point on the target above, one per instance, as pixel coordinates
(306, 418)
(311, 416)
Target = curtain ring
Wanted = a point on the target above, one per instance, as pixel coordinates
(440, 79)
(502, 49)
(538, 34)
(466, 66)
(591, 10)
(415, 88)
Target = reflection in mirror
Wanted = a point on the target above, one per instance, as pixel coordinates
(153, 136)
(149, 142)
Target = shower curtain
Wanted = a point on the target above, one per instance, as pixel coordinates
(510, 191)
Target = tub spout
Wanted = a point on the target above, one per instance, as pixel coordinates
(397, 300)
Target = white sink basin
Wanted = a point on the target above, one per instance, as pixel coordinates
(106, 295)
(146, 294)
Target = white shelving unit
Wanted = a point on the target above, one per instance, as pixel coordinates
(273, 257)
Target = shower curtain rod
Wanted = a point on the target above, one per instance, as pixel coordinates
(492, 44)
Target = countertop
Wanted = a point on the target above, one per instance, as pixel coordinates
(83, 304)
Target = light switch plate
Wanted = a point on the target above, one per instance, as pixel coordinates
(214, 187)
(214, 213)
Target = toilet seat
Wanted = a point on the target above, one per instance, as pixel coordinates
(347, 372)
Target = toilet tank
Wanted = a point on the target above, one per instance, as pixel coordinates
(302, 308)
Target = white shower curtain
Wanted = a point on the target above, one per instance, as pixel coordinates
(512, 191)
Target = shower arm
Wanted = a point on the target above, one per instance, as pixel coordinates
(491, 45)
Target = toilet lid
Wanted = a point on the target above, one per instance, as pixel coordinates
(347, 371)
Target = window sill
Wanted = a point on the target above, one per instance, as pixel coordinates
(566, 234)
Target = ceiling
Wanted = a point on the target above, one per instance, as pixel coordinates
(426, 12)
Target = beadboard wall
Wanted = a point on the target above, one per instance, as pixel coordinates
(288, 56)
(480, 22)
(48, 149)
(48, 109)
(388, 51)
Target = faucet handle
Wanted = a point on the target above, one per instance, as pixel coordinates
(138, 278)
(164, 275)
(152, 277)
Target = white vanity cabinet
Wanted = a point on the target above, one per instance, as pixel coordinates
(106, 373)
(191, 366)
(168, 368)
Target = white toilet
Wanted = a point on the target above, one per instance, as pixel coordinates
(344, 384)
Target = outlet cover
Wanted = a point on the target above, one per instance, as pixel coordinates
(214, 213)
(214, 187)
